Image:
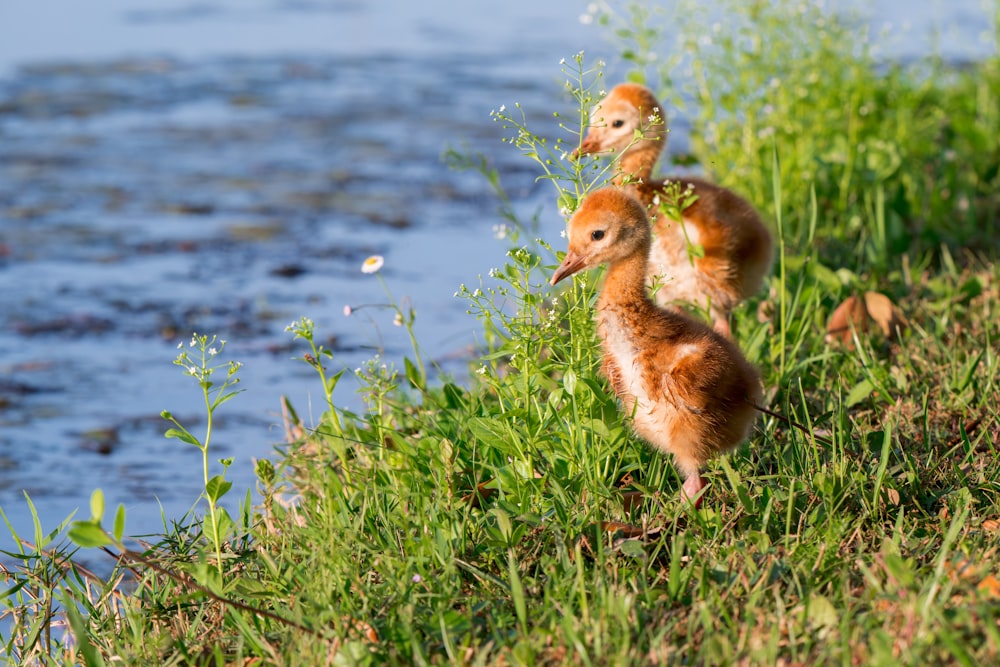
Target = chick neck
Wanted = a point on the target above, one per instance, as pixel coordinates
(625, 282)
(635, 168)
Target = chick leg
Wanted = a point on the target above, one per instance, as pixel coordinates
(692, 489)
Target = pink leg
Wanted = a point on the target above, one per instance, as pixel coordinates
(722, 326)
(692, 489)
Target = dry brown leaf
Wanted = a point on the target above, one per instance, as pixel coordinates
(362, 628)
(481, 493)
(627, 529)
(989, 586)
(893, 496)
(849, 315)
(632, 499)
(856, 314)
(991, 525)
(885, 314)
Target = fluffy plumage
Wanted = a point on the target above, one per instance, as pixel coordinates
(737, 246)
(689, 391)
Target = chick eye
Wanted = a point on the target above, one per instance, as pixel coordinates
(597, 234)
(618, 123)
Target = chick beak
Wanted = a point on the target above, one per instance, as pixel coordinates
(572, 263)
(589, 146)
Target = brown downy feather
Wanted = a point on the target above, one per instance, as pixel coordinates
(689, 391)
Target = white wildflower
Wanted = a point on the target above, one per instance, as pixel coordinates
(372, 264)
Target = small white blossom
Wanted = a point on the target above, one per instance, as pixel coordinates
(348, 310)
(372, 264)
(562, 61)
(503, 107)
(212, 351)
(398, 320)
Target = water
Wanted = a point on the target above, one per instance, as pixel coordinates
(225, 167)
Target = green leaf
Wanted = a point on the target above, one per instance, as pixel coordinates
(119, 523)
(97, 505)
(569, 381)
(183, 436)
(88, 534)
(481, 429)
(264, 470)
(821, 612)
(453, 395)
(216, 488)
(860, 392)
(636, 76)
(413, 374)
(40, 540)
(633, 549)
(220, 526)
(222, 398)
(91, 657)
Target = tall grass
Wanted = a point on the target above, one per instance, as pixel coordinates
(515, 519)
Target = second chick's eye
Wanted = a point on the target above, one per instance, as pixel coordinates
(597, 234)
(618, 123)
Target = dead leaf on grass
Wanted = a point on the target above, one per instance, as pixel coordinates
(989, 586)
(626, 529)
(858, 314)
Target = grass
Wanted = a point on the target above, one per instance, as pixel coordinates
(516, 520)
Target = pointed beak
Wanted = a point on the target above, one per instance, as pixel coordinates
(589, 146)
(570, 265)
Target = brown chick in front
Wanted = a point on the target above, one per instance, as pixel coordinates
(688, 390)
